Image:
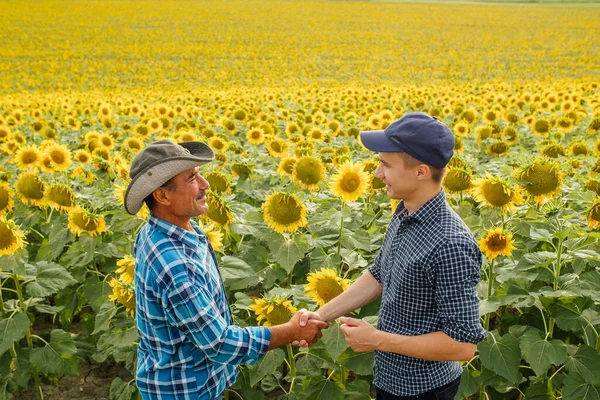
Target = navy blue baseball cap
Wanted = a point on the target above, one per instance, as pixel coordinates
(418, 134)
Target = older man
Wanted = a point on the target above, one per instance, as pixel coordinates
(425, 272)
(189, 347)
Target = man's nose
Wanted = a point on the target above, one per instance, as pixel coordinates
(203, 182)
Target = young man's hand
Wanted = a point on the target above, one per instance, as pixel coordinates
(307, 331)
(359, 334)
(305, 317)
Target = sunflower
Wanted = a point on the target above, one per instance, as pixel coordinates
(274, 311)
(597, 147)
(510, 134)
(309, 172)
(59, 197)
(286, 166)
(60, 155)
(292, 128)
(540, 179)
(30, 189)
(579, 148)
(553, 150)
(496, 242)
(316, 135)
(541, 126)
(218, 144)
(11, 238)
(277, 148)
(284, 212)
(457, 180)
(133, 144)
(218, 210)
(5, 133)
(350, 182)
(27, 157)
(593, 216)
(255, 135)
(83, 174)
(325, 285)
(123, 294)
(6, 198)
(498, 149)
(215, 236)
(126, 269)
(102, 159)
(483, 132)
(218, 182)
(495, 192)
(241, 169)
(593, 185)
(462, 129)
(82, 156)
(81, 221)
(369, 166)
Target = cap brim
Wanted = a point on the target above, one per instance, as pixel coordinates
(378, 141)
(156, 175)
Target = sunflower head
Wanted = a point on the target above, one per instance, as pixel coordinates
(277, 148)
(60, 156)
(496, 242)
(324, 285)
(541, 126)
(59, 197)
(309, 172)
(126, 269)
(255, 135)
(498, 149)
(579, 148)
(27, 157)
(214, 234)
(122, 293)
(284, 212)
(241, 169)
(6, 198)
(541, 180)
(457, 180)
(218, 182)
(218, 210)
(594, 185)
(495, 192)
(30, 189)
(593, 216)
(11, 238)
(350, 182)
(286, 166)
(553, 150)
(273, 311)
(82, 221)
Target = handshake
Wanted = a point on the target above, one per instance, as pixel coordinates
(305, 328)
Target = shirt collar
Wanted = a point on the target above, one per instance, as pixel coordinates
(190, 239)
(426, 211)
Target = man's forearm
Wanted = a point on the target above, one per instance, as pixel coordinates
(436, 346)
(281, 335)
(360, 293)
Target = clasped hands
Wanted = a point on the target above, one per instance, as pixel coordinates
(359, 334)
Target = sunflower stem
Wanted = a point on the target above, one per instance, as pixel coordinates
(486, 324)
(339, 249)
(292, 361)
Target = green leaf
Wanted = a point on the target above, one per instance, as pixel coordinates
(12, 329)
(541, 354)
(586, 362)
(76, 255)
(233, 268)
(266, 365)
(59, 237)
(50, 278)
(325, 390)
(334, 340)
(501, 355)
(577, 388)
(58, 356)
(121, 390)
(288, 252)
(95, 291)
(15, 263)
(359, 363)
(358, 390)
(22, 372)
(107, 311)
(469, 383)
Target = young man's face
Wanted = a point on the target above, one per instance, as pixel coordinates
(400, 181)
(189, 197)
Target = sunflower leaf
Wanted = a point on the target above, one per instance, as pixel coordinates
(501, 355)
(266, 365)
(288, 252)
(12, 329)
(334, 340)
(58, 356)
(586, 363)
(578, 388)
(50, 278)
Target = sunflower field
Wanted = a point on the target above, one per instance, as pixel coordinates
(280, 90)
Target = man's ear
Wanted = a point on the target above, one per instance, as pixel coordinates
(161, 196)
(423, 171)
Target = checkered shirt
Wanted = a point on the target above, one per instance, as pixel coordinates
(428, 267)
(189, 347)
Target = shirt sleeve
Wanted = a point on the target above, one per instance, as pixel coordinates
(375, 269)
(191, 308)
(456, 273)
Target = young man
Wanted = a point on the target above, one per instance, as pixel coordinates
(189, 347)
(425, 272)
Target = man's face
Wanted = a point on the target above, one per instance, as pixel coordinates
(189, 197)
(400, 181)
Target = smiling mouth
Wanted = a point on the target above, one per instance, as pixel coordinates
(201, 195)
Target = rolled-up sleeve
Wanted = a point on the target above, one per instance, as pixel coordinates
(456, 274)
(191, 308)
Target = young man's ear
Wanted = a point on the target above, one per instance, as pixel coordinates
(423, 171)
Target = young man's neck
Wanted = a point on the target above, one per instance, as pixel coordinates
(420, 197)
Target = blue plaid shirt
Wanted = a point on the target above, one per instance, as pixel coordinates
(428, 267)
(189, 347)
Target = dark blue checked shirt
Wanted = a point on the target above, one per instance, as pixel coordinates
(189, 347)
(428, 267)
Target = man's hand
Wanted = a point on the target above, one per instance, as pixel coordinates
(308, 331)
(305, 316)
(360, 335)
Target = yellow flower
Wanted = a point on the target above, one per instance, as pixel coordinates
(30, 189)
(123, 294)
(273, 311)
(462, 129)
(277, 148)
(541, 180)
(286, 166)
(255, 135)
(59, 197)
(26, 157)
(325, 285)
(218, 182)
(241, 169)
(284, 212)
(82, 221)
(83, 174)
(218, 144)
(457, 180)
(593, 216)
(60, 156)
(350, 182)
(218, 210)
(496, 242)
(6, 198)
(495, 192)
(82, 156)
(126, 269)
(11, 238)
(215, 236)
(309, 172)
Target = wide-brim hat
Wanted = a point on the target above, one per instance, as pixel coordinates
(157, 163)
